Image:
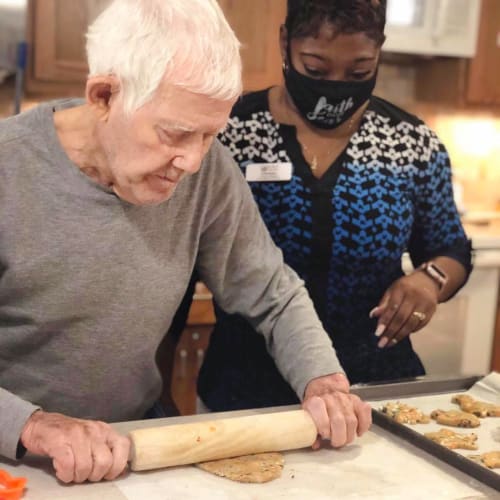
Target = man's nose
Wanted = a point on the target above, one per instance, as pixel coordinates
(191, 157)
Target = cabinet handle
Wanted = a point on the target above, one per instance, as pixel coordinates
(183, 355)
(195, 336)
(199, 356)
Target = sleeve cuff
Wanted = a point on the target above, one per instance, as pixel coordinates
(14, 413)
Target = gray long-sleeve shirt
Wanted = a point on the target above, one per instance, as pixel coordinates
(89, 283)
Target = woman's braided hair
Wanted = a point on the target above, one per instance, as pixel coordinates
(305, 17)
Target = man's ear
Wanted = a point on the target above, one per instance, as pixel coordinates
(101, 91)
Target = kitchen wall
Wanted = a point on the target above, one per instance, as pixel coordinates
(472, 137)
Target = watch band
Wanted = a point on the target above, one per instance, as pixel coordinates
(435, 272)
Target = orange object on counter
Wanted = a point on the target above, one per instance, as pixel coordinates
(11, 488)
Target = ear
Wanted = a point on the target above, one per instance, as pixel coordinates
(101, 91)
(283, 42)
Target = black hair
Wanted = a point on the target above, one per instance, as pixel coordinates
(306, 17)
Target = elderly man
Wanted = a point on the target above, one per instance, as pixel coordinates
(106, 206)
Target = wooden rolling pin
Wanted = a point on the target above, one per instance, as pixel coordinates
(231, 437)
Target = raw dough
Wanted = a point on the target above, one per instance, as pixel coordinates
(453, 440)
(405, 414)
(455, 418)
(478, 408)
(491, 459)
(259, 468)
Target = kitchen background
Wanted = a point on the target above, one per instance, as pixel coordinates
(441, 62)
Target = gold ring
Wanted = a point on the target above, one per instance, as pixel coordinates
(419, 315)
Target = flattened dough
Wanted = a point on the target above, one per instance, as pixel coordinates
(259, 468)
(479, 408)
(405, 414)
(453, 440)
(491, 459)
(455, 418)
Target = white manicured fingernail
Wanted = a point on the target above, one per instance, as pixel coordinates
(372, 312)
(383, 342)
(380, 330)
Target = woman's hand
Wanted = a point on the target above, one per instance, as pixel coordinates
(406, 307)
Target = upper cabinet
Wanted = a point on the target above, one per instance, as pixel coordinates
(256, 23)
(432, 27)
(472, 81)
(56, 36)
(483, 78)
(56, 29)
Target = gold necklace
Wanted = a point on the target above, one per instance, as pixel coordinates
(314, 161)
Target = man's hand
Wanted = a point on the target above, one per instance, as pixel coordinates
(338, 415)
(80, 449)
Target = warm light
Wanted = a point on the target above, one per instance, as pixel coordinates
(13, 3)
(476, 137)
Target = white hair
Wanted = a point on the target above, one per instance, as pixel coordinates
(189, 42)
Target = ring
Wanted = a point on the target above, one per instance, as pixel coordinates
(419, 315)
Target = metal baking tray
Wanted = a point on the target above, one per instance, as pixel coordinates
(422, 386)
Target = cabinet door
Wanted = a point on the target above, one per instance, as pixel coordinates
(188, 359)
(58, 37)
(58, 27)
(484, 70)
(461, 81)
(495, 361)
(256, 24)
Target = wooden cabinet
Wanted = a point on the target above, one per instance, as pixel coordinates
(483, 78)
(495, 361)
(56, 36)
(256, 23)
(463, 81)
(190, 351)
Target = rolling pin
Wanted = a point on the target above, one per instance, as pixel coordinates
(183, 444)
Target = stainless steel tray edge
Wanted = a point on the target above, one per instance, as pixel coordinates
(418, 386)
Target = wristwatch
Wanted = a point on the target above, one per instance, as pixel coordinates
(435, 272)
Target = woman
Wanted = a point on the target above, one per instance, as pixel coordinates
(346, 182)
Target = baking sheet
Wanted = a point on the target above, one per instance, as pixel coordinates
(377, 467)
(485, 389)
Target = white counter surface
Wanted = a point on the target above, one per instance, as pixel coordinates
(484, 236)
(377, 466)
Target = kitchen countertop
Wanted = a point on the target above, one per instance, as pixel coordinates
(485, 233)
(485, 236)
(378, 466)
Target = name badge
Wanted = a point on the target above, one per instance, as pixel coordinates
(265, 172)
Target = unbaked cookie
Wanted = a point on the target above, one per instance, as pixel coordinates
(258, 468)
(455, 418)
(405, 414)
(479, 408)
(491, 459)
(453, 440)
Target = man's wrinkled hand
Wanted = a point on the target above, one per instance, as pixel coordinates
(81, 450)
(339, 416)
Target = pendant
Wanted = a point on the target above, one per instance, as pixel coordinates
(314, 163)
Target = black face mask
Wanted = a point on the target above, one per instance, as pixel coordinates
(326, 104)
